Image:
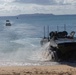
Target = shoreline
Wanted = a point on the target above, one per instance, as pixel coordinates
(38, 70)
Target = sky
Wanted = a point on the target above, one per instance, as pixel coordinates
(16, 7)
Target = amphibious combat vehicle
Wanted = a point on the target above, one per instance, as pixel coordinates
(62, 45)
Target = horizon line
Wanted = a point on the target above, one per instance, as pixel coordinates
(35, 14)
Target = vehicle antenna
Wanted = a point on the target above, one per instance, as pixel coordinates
(44, 31)
(64, 27)
(57, 28)
(48, 32)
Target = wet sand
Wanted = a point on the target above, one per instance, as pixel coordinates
(38, 70)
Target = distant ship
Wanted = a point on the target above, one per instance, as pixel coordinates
(8, 23)
(17, 17)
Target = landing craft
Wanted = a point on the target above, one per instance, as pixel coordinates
(8, 23)
(62, 45)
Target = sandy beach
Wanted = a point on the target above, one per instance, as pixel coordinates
(38, 70)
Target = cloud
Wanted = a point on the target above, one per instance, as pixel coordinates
(41, 2)
(6, 1)
(15, 7)
(66, 2)
(34, 1)
(50, 2)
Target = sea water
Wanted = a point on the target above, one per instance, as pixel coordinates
(20, 42)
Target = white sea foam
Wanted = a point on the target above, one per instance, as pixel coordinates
(23, 63)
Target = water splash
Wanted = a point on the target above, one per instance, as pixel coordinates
(43, 54)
